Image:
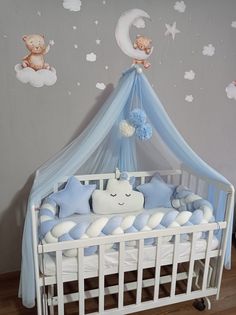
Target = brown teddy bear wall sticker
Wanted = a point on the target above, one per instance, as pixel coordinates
(38, 49)
(34, 69)
(143, 43)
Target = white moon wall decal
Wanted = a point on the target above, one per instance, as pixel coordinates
(122, 35)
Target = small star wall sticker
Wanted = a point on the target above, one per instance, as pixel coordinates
(171, 30)
(51, 42)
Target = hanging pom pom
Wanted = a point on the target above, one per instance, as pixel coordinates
(144, 132)
(137, 117)
(126, 129)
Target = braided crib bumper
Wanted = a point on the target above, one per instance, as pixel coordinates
(52, 230)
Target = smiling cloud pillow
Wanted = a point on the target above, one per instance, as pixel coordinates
(119, 197)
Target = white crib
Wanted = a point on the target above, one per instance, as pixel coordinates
(201, 271)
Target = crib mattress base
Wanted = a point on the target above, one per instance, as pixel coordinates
(111, 258)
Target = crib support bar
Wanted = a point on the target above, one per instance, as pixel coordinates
(80, 256)
(88, 294)
(59, 282)
(121, 274)
(134, 308)
(157, 268)
(140, 271)
(207, 261)
(191, 263)
(175, 265)
(101, 278)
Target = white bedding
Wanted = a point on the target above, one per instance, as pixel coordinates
(111, 258)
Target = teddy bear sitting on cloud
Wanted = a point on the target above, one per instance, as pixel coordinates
(34, 69)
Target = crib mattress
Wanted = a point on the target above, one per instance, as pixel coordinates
(111, 258)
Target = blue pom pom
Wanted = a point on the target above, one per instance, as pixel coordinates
(144, 132)
(137, 117)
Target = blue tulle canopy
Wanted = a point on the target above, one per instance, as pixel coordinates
(101, 148)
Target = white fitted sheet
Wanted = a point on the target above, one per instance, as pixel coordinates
(111, 258)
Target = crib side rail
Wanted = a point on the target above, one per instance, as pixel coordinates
(110, 239)
(193, 180)
(218, 193)
(205, 289)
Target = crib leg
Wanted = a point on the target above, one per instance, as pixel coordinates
(197, 271)
(207, 302)
(214, 272)
(50, 296)
(45, 304)
(199, 305)
(202, 303)
(39, 300)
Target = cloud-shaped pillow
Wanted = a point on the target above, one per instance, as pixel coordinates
(119, 197)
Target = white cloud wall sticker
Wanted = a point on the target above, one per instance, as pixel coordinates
(139, 23)
(91, 57)
(231, 90)
(36, 78)
(233, 24)
(100, 86)
(72, 5)
(189, 98)
(189, 75)
(180, 6)
(208, 50)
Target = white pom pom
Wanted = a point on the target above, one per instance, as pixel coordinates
(126, 129)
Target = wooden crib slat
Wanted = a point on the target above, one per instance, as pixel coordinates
(140, 271)
(168, 179)
(121, 274)
(216, 198)
(157, 268)
(189, 180)
(80, 257)
(175, 265)
(142, 180)
(101, 184)
(191, 263)
(207, 260)
(101, 278)
(60, 293)
(197, 185)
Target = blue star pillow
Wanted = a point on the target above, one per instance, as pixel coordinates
(74, 198)
(156, 193)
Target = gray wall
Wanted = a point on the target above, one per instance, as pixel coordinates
(36, 122)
